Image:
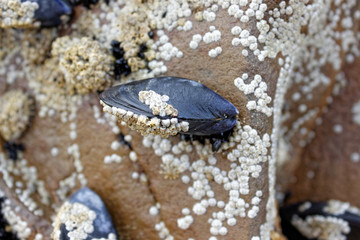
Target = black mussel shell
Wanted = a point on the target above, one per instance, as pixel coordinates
(50, 11)
(206, 111)
(102, 224)
(315, 209)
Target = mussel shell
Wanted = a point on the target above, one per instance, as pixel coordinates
(103, 224)
(206, 111)
(316, 208)
(50, 11)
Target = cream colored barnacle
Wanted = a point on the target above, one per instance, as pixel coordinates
(157, 103)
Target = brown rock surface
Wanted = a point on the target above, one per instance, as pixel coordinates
(129, 200)
(326, 170)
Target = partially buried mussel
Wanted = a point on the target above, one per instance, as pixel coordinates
(84, 216)
(170, 105)
(320, 220)
(50, 12)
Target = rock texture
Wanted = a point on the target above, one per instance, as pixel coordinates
(71, 143)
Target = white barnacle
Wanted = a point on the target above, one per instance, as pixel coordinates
(78, 220)
(321, 227)
(157, 103)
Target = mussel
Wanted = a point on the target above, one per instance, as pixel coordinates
(170, 105)
(320, 220)
(84, 216)
(50, 12)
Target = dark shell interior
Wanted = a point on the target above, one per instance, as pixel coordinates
(206, 111)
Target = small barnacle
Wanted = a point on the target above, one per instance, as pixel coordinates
(16, 112)
(209, 176)
(170, 105)
(83, 216)
(169, 171)
(17, 14)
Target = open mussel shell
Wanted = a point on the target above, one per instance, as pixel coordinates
(50, 12)
(312, 209)
(84, 216)
(206, 111)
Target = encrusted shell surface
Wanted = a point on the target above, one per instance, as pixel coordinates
(321, 220)
(50, 12)
(84, 216)
(205, 111)
(16, 110)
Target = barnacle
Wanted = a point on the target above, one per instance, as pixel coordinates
(26, 13)
(17, 13)
(170, 105)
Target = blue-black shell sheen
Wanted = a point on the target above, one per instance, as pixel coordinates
(50, 11)
(103, 224)
(206, 112)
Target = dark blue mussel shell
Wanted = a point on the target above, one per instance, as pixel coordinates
(206, 111)
(103, 224)
(50, 11)
(316, 208)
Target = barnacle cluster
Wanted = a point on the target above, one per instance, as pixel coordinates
(321, 227)
(157, 103)
(36, 45)
(16, 110)
(78, 220)
(84, 216)
(16, 13)
(84, 63)
(8, 39)
(146, 125)
(137, 35)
